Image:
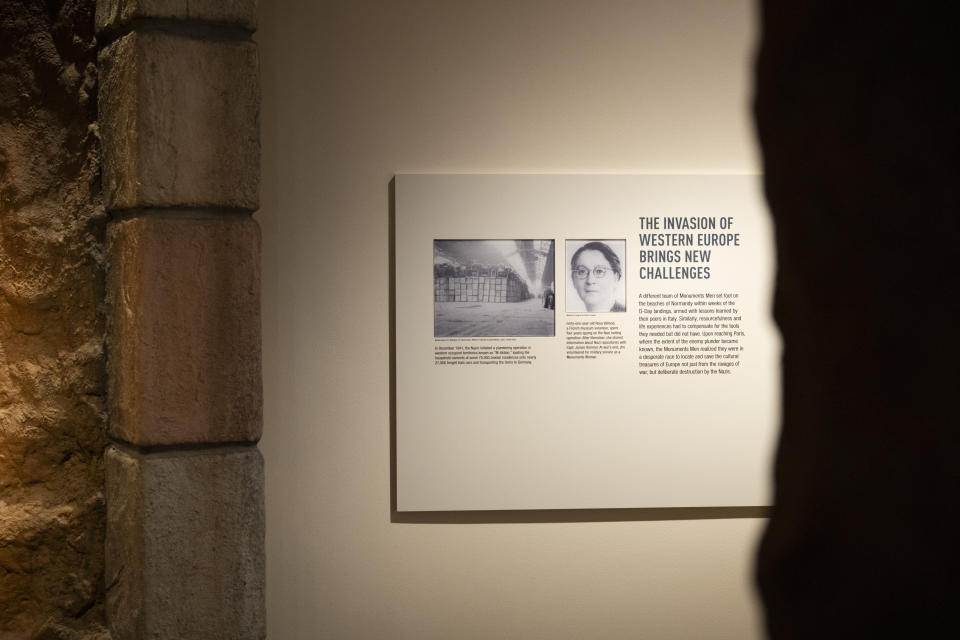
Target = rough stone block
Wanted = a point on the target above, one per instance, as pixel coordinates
(180, 122)
(184, 330)
(241, 13)
(184, 544)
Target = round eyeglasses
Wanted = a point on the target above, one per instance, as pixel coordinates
(598, 272)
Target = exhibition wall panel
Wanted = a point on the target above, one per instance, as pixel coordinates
(356, 92)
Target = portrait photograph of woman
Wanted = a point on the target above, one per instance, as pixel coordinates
(595, 276)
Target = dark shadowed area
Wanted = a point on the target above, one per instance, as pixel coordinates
(860, 128)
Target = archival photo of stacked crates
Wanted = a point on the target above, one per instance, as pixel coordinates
(493, 288)
(477, 283)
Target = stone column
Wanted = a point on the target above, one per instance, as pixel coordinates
(179, 104)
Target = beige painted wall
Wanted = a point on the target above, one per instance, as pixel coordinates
(356, 91)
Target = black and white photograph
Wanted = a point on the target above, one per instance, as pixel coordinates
(596, 281)
(496, 288)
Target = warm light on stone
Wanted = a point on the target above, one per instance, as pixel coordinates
(52, 381)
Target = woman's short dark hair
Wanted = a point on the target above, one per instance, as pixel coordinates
(603, 248)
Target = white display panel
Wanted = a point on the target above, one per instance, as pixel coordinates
(668, 398)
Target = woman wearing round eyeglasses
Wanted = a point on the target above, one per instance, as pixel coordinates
(596, 272)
